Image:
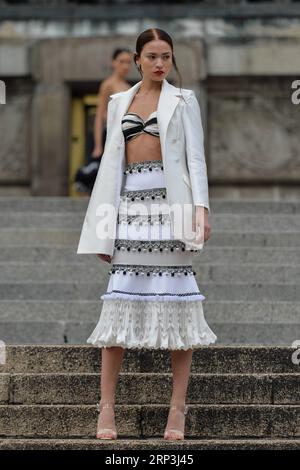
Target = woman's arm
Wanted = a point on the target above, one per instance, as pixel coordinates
(192, 124)
(103, 97)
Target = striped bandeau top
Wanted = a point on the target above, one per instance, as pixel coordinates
(133, 125)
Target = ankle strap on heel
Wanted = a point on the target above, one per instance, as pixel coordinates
(176, 407)
(100, 405)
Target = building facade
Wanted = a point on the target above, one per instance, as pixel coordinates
(241, 58)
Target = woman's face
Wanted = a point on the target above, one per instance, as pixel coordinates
(155, 60)
(122, 63)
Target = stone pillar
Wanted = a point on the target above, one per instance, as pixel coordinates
(50, 137)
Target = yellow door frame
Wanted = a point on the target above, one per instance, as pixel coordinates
(78, 137)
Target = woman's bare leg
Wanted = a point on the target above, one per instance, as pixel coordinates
(111, 364)
(181, 365)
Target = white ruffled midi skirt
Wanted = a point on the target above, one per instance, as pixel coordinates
(152, 299)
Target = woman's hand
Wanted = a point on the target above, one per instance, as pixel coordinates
(97, 152)
(201, 225)
(104, 257)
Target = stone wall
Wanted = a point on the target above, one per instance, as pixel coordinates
(253, 130)
(241, 68)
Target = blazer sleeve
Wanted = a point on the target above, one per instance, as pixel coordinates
(109, 116)
(192, 123)
(109, 127)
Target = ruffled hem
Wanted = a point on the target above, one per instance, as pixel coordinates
(151, 325)
(157, 297)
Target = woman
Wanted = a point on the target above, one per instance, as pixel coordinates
(121, 63)
(152, 300)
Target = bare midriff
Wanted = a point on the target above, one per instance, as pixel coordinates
(143, 147)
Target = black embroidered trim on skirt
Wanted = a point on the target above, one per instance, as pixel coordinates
(149, 245)
(152, 293)
(151, 269)
(147, 165)
(152, 193)
(141, 219)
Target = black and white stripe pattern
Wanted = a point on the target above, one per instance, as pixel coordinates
(133, 125)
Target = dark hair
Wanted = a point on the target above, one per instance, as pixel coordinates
(118, 51)
(149, 35)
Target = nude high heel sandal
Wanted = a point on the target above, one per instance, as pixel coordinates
(105, 433)
(172, 433)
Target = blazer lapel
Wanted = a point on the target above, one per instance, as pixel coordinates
(168, 100)
(123, 100)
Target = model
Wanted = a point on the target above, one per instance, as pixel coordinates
(85, 176)
(153, 164)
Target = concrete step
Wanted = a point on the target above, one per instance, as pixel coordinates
(212, 360)
(64, 237)
(68, 204)
(215, 256)
(216, 273)
(251, 277)
(149, 444)
(225, 222)
(49, 204)
(146, 387)
(148, 420)
(238, 397)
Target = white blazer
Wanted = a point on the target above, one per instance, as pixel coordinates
(185, 171)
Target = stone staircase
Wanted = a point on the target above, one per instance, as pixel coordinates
(243, 390)
(249, 272)
(240, 397)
